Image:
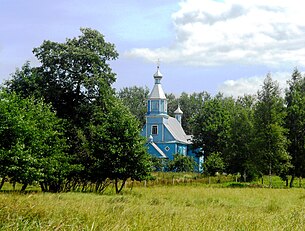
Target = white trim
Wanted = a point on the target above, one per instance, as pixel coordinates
(149, 105)
(159, 150)
(152, 129)
(163, 136)
(146, 126)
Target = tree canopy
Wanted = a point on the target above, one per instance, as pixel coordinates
(295, 123)
(75, 77)
(32, 145)
(63, 125)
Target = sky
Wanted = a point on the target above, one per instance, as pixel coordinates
(226, 46)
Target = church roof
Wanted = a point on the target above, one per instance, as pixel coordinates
(157, 92)
(178, 111)
(158, 150)
(158, 74)
(174, 127)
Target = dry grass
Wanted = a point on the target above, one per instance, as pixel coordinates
(157, 208)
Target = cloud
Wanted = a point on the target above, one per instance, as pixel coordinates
(251, 85)
(210, 33)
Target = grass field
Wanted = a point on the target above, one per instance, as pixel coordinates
(179, 207)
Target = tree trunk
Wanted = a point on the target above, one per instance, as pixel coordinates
(2, 182)
(117, 188)
(291, 181)
(97, 186)
(270, 180)
(42, 187)
(24, 187)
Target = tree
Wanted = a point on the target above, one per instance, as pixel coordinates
(211, 126)
(75, 78)
(172, 103)
(295, 123)
(189, 104)
(159, 164)
(214, 164)
(270, 141)
(72, 76)
(240, 152)
(32, 147)
(118, 150)
(135, 99)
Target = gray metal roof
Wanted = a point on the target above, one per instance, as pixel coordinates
(175, 128)
(157, 92)
(158, 73)
(178, 111)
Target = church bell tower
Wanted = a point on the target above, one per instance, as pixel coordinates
(157, 102)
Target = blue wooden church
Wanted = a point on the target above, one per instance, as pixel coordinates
(165, 135)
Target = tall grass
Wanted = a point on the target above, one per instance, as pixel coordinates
(180, 207)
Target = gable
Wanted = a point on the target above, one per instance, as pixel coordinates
(153, 149)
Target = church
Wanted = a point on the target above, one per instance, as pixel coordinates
(165, 135)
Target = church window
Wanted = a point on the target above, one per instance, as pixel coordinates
(184, 151)
(162, 105)
(154, 130)
(154, 105)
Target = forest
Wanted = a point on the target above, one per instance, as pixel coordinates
(63, 126)
(252, 135)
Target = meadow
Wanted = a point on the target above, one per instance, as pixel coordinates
(160, 207)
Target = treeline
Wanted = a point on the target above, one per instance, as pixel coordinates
(64, 127)
(61, 124)
(253, 135)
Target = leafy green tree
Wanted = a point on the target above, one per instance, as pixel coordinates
(75, 77)
(172, 103)
(214, 164)
(118, 149)
(270, 140)
(189, 104)
(159, 164)
(239, 154)
(32, 147)
(295, 123)
(135, 99)
(182, 163)
(211, 125)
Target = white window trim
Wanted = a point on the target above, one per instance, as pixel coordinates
(152, 129)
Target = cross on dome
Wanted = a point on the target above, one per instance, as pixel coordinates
(158, 63)
(158, 76)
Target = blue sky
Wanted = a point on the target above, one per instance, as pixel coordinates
(203, 45)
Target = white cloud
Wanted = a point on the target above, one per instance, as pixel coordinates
(251, 85)
(255, 32)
